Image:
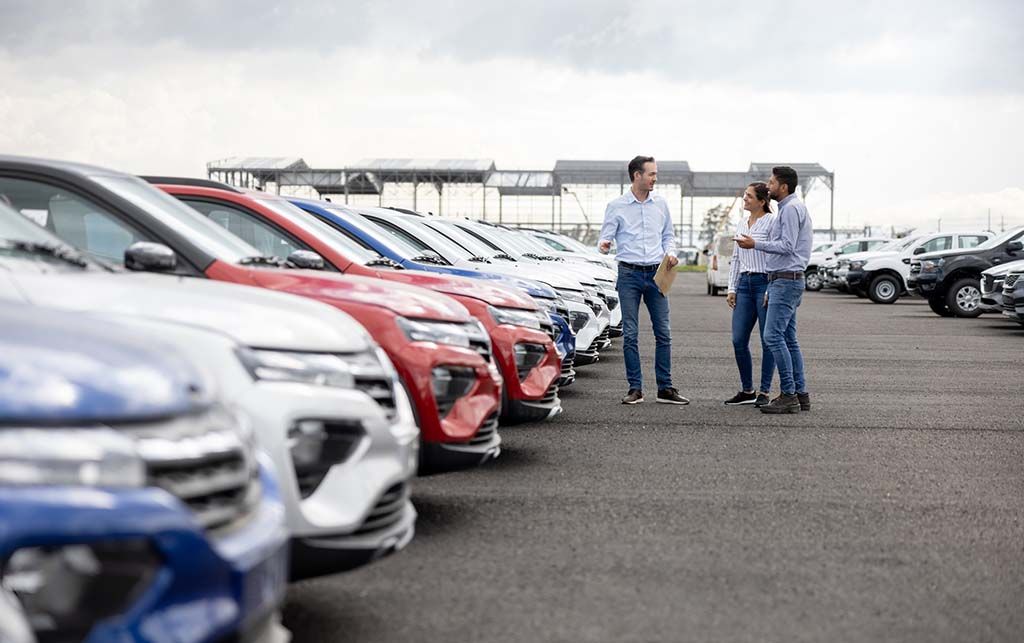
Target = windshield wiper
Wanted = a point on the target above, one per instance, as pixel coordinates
(506, 257)
(54, 250)
(428, 259)
(260, 260)
(530, 255)
(479, 259)
(384, 261)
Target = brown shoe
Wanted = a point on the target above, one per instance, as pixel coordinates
(805, 401)
(783, 404)
(635, 396)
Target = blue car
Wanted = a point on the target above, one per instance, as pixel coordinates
(133, 506)
(364, 232)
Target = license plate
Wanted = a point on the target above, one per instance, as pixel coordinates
(265, 585)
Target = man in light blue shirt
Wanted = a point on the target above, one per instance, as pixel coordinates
(789, 246)
(640, 224)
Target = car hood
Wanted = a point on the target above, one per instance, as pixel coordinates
(1005, 268)
(59, 368)
(251, 316)
(401, 299)
(531, 271)
(461, 287)
(871, 254)
(945, 254)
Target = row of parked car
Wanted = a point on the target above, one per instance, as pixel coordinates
(962, 274)
(208, 391)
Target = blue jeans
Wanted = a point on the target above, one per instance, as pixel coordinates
(784, 296)
(749, 310)
(632, 286)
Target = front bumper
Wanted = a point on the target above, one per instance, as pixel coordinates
(384, 454)
(208, 586)
(927, 283)
(856, 279)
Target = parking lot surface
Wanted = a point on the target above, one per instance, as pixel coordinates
(894, 510)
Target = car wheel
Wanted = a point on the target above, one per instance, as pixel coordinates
(964, 298)
(938, 305)
(714, 291)
(709, 287)
(884, 289)
(812, 281)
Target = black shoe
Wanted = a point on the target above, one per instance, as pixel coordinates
(671, 396)
(805, 401)
(741, 398)
(762, 400)
(783, 404)
(635, 396)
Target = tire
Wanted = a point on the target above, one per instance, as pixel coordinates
(884, 289)
(812, 280)
(938, 306)
(714, 291)
(964, 298)
(709, 287)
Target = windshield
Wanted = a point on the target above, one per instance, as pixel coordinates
(532, 243)
(327, 235)
(471, 246)
(19, 237)
(896, 244)
(1001, 239)
(358, 222)
(488, 238)
(439, 243)
(200, 231)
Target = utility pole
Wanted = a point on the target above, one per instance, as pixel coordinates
(989, 219)
(940, 225)
(1002, 223)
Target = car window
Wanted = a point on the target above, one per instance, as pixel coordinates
(397, 232)
(871, 245)
(971, 240)
(937, 244)
(76, 220)
(249, 228)
(850, 247)
(554, 244)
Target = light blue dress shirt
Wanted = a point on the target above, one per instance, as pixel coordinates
(790, 238)
(642, 230)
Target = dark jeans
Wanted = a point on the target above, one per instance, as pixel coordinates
(749, 310)
(634, 285)
(784, 297)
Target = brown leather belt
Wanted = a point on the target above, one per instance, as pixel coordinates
(772, 276)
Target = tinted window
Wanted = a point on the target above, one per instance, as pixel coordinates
(76, 220)
(971, 240)
(850, 247)
(937, 244)
(249, 228)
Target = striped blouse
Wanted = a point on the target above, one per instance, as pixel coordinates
(752, 260)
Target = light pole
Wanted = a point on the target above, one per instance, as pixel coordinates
(583, 211)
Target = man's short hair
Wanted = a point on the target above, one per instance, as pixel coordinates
(637, 165)
(787, 175)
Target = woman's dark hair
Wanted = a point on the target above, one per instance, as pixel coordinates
(761, 194)
(637, 165)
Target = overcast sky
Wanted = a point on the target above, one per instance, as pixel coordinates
(916, 106)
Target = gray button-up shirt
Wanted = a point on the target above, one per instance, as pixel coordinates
(790, 238)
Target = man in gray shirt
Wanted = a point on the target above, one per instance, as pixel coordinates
(789, 246)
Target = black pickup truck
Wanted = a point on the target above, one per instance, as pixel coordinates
(950, 279)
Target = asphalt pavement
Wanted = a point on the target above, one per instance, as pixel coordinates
(892, 511)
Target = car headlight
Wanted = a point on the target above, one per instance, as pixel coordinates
(65, 590)
(517, 317)
(570, 295)
(549, 305)
(322, 369)
(70, 457)
(857, 265)
(932, 265)
(578, 319)
(419, 330)
(528, 357)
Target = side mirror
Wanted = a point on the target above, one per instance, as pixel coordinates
(1014, 246)
(306, 259)
(919, 250)
(145, 256)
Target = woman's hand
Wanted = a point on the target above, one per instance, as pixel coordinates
(731, 300)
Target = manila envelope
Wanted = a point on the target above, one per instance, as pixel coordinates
(665, 276)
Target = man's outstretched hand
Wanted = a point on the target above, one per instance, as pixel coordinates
(604, 246)
(744, 241)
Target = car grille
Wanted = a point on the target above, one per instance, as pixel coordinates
(568, 374)
(1011, 280)
(479, 340)
(340, 441)
(550, 395)
(594, 305)
(548, 327)
(602, 338)
(563, 312)
(387, 511)
(915, 268)
(210, 470)
(381, 389)
(486, 431)
(988, 283)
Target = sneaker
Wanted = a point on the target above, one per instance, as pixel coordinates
(762, 400)
(741, 398)
(805, 401)
(783, 404)
(671, 396)
(634, 396)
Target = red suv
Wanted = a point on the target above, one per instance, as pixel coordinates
(435, 344)
(520, 333)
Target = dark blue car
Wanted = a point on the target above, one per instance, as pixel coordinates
(358, 228)
(133, 507)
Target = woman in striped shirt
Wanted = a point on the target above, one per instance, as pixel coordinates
(748, 282)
